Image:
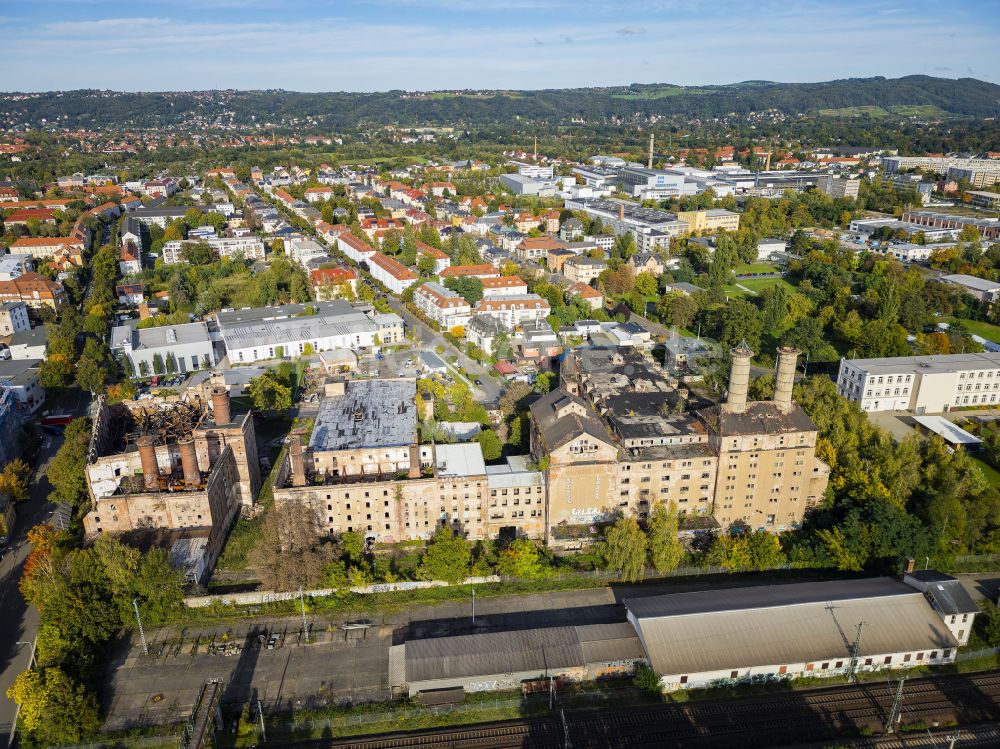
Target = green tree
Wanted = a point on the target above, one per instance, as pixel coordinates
(490, 443)
(53, 708)
(624, 548)
(267, 393)
(520, 559)
(665, 548)
(90, 375)
(157, 364)
(447, 557)
(14, 480)
(67, 471)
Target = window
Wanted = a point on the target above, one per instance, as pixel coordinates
(734, 674)
(684, 679)
(888, 660)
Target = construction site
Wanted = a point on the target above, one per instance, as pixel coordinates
(173, 472)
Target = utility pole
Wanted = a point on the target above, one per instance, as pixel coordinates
(552, 692)
(952, 740)
(33, 662)
(142, 634)
(302, 602)
(855, 655)
(473, 608)
(263, 732)
(897, 707)
(566, 744)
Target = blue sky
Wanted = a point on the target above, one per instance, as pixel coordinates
(365, 45)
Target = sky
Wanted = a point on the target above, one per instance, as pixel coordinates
(377, 45)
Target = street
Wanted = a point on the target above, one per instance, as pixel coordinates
(18, 621)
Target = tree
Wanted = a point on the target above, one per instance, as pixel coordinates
(352, 548)
(290, 553)
(267, 393)
(157, 364)
(447, 557)
(490, 443)
(742, 323)
(625, 549)
(14, 480)
(677, 308)
(665, 548)
(67, 471)
(54, 708)
(90, 375)
(806, 335)
(56, 371)
(520, 559)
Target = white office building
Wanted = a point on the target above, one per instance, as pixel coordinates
(921, 384)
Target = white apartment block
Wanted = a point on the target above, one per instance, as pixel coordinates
(921, 384)
(442, 305)
(249, 248)
(514, 310)
(391, 273)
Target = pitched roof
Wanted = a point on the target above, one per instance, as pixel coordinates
(483, 269)
(557, 431)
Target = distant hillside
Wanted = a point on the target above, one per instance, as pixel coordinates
(916, 95)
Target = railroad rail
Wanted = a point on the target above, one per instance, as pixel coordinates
(763, 720)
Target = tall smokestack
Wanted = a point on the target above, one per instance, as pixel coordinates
(298, 459)
(147, 457)
(621, 213)
(784, 378)
(739, 380)
(650, 165)
(220, 405)
(189, 461)
(414, 469)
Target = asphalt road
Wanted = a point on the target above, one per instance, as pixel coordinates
(18, 621)
(429, 338)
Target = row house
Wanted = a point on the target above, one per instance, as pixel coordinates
(482, 270)
(46, 247)
(441, 259)
(356, 249)
(391, 273)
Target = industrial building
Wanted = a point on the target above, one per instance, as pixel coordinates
(491, 661)
(921, 384)
(620, 435)
(828, 628)
(177, 468)
(163, 349)
(365, 469)
(988, 228)
(262, 333)
(625, 217)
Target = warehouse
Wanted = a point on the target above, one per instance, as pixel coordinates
(788, 631)
(493, 661)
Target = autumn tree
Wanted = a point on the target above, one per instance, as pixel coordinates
(665, 548)
(624, 549)
(447, 557)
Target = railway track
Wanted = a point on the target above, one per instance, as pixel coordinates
(765, 720)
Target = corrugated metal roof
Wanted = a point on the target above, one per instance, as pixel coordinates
(492, 653)
(718, 640)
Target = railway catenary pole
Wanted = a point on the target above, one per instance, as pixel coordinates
(305, 627)
(263, 731)
(855, 655)
(566, 742)
(897, 707)
(142, 634)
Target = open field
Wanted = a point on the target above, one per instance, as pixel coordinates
(899, 110)
(741, 270)
(981, 328)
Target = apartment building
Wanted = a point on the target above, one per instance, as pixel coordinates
(921, 384)
(712, 220)
(502, 286)
(33, 289)
(583, 269)
(13, 318)
(248, 248)
(441, 259)
(512, 311)
(391, 273)
(46, 247)
(442, 305)
(479, 270)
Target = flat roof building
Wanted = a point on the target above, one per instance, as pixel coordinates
(921, 384)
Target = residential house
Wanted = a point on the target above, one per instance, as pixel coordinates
(30, 343)
(14, 265)
(591, 296)
(130, 294)
(129, 258)
(441, 259)
(514, 310)
(646, 262)
(330, 283)
(556, 259)
(583, 269)
(33, 289)
(318, 194)
(356, 249)
(22, 217)
(13, 318)
(571, 230)
(538, 344)
(484, 270)
(391, 273)
(47, 247)
(504, 286)
(442, 305)
(537, 248)
(482, 330)
(21, 378)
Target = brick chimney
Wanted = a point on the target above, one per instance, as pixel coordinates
(220, 406)
(297, 458)
(784, 378)
(739, 380)
(189, 461)
(147, 457)
(414, 471)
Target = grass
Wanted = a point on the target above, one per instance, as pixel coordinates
(990, 473)
(754, 268)
(759, 284)
(981, 328)
(242, 538)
